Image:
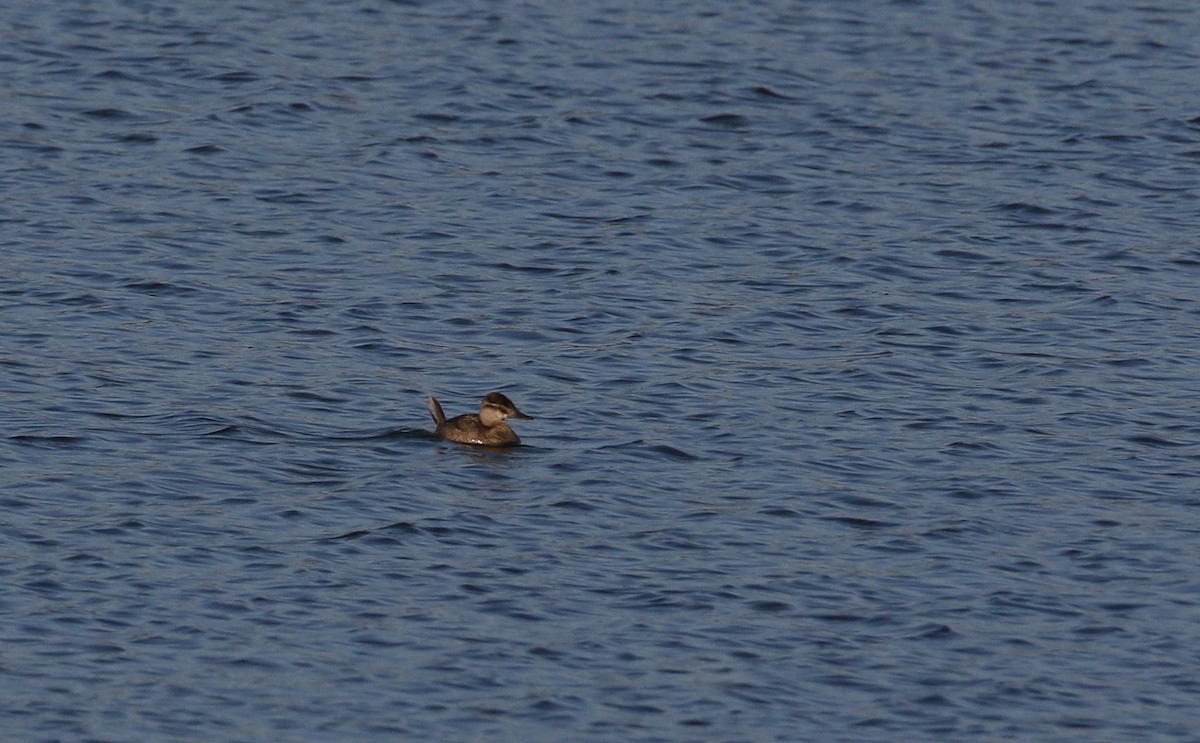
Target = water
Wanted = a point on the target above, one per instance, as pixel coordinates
(861, 338)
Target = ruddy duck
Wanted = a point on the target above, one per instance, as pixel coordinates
(486, 429)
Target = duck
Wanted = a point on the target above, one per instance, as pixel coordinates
(485, 429)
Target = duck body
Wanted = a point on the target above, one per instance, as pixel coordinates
(487, 428)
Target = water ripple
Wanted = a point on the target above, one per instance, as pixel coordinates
(860, 341)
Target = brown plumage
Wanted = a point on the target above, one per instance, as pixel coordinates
(485, 429)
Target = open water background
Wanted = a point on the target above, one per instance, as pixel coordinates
(862, 338)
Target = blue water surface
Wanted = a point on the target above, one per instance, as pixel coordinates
(861, 338)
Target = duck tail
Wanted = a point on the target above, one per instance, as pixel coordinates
(435, 409)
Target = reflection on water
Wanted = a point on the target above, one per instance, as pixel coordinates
(860, 346)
